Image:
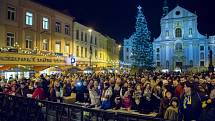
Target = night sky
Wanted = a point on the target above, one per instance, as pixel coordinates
(116, 18)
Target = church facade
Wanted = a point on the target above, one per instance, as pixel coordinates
(180, 45)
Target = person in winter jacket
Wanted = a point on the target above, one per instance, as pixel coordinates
(171, 113)
(38, 92)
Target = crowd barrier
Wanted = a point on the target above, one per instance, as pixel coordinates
(13, 108)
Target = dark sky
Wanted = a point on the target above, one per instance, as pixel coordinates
(116, 18)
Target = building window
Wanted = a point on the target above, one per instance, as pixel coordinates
(57, 47)
(158, 56)
(158, 64)
(10, 39)
(85, 37)
(202, 63)
(29, 18)
(178, 47)
(28, 42)
(202, 56)
(209, 48)
(202, 48)
(95, 40)
(191, 63)
(158, 50)
(127, 57)
(67, 29)
(57, 27)
(66, 48)
(82, 36)
(178, 32)
(77, 34)
(82, 52)
(190, 31)
(77, 51)
(45, 23)
(11, 13)
(167, 33)
(85, 52)
(45, 44)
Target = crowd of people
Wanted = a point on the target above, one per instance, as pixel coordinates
(173, 96)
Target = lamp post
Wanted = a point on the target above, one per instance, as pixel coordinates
(90, 31)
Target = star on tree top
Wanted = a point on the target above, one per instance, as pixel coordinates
(139, 7)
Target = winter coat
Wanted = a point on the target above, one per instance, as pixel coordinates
(209, 113)
(192, 109)
(171, 114)
(38, 94)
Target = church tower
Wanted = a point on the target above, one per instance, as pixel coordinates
(165, 8)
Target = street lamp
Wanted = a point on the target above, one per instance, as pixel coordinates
(90, 31)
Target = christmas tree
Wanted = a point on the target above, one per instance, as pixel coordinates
(142, 51)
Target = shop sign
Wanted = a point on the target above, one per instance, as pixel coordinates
(7, 58)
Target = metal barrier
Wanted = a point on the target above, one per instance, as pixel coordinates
(13, 108)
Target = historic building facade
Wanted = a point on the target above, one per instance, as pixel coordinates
(31, 30)
(180, 45)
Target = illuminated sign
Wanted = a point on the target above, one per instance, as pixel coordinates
(11, 58)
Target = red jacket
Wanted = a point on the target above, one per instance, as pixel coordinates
(38, 94)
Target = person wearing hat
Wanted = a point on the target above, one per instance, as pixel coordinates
(190, 105)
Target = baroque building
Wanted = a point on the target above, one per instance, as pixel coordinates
(180, 45)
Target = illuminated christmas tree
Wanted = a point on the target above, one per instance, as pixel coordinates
(142, 51)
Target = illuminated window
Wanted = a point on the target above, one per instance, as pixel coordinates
(57, 47)
(66, 48)
(45, 23)
(10, 39)
(178, 32)
(29, 18)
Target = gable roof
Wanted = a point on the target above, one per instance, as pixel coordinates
(179, 12)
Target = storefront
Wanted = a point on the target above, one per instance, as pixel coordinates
(17, 65)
